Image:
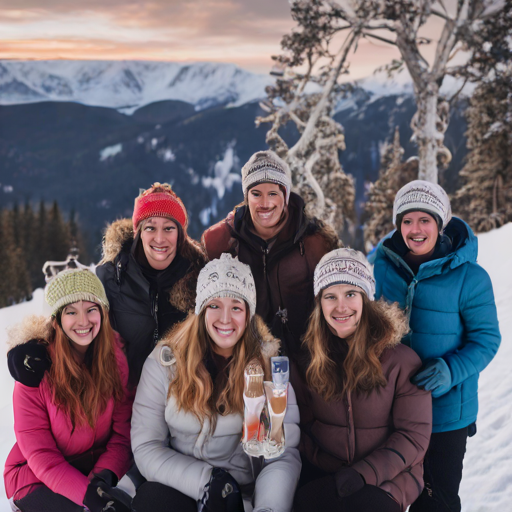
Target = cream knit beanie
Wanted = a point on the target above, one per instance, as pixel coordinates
(344, 266)
(423, 196)
(266, 167)
(225, 277)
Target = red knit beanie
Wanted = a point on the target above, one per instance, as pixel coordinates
(159, 201)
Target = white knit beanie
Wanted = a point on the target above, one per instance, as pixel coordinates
(344, 266)
(423, 196)
(225, 277)
(266, 167)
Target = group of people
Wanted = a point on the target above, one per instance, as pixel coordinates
(140, 368)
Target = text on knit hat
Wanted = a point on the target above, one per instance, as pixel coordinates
(344, 266)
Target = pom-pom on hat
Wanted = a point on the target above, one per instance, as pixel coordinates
(344, 266)
(159, 201)
(74, 285)
(266, 167)
(425, 197)
(225, 277)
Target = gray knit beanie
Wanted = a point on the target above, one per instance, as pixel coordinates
(344, 266)
(425, 197)
(225, 277)
(266, 167)
(74, 285)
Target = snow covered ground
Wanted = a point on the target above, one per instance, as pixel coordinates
(487, 481)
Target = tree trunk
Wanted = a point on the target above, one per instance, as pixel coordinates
(426, 133)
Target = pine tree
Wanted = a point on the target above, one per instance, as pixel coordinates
(485, 200)
(22, 284)
(14, 279)
(59, 240)
(40, 247)
(77, 239)
(28, 242)
(393, 175)
(314, 55)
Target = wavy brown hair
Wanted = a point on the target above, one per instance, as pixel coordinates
(83, 390)
(362, 370)
(192, 385)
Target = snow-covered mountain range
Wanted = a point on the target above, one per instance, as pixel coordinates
(128, 85)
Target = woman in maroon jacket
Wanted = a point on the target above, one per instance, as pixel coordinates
(365, 426)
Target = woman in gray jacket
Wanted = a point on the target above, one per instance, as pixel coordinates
(188, 411)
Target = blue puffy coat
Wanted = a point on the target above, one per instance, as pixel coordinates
(452, 314)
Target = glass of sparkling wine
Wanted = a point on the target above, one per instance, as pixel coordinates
(277, 397)
(254, 402)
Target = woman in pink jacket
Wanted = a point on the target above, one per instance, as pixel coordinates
(73, 428)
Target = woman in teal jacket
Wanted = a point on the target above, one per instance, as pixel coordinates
(429, 267)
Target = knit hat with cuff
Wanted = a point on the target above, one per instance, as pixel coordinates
(225, 277)
(266, 167)
(422, 196)
(74, 285)
(159, 201)
(344, 266)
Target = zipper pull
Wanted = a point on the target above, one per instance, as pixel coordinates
(265, 253)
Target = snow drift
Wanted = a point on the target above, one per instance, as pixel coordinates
(487, 478)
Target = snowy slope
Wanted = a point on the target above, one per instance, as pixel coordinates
(128, 84)
(487, 481)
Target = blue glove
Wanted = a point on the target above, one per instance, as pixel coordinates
(435, 376)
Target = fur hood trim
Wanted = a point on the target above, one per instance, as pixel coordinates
(33, 327)
(116, 235)
(398, 321)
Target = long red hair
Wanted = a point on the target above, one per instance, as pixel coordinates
(83, 390)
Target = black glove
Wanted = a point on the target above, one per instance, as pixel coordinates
(348, 481)
(101, 496)
(222, 493)
(28, 363)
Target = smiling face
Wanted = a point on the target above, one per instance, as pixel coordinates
(159, 236)
(342, 305)
(226, 319)
(81, 322)
(419, 231)
(266, 205)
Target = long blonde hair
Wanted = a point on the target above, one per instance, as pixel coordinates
(362, 370)
(192, 385)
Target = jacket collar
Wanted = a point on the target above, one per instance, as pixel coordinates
(290, 234)
(464, 249)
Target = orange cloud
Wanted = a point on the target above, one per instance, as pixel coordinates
(244, 32)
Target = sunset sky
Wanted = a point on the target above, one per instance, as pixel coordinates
(244, 32)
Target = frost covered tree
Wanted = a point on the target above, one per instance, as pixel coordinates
(314, 59)
(393, 175)
(462, 21)
(485, 199)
